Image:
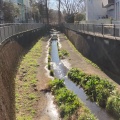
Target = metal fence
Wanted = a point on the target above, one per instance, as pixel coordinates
(8, 30)
(104, 30)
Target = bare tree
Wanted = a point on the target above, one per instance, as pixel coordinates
(73, 6)
(40, 10)
(53, 16)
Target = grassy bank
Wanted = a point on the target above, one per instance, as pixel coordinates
(86, 59)
(98, 90)
(69, 104)
(26, 80)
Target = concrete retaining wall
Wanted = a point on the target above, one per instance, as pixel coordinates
(10, 53)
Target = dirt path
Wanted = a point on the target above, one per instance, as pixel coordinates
(77, 60)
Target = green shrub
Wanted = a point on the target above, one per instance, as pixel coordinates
(63, 54)
(75, 75)
(113, 105)
(67, 101)
(97, 89)
(56, 84)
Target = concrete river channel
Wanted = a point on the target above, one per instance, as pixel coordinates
(60, 71)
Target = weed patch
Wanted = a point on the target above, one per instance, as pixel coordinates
(98, 90)
(63, 54)
(69, 104)
(26, 96)
(113, 104)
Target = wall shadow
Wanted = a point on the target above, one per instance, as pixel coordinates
(101, 51)
(11, 52)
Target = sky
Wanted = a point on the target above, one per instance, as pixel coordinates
(53, 4)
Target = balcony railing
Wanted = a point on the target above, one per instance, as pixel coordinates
(8, 30)
(101, 30)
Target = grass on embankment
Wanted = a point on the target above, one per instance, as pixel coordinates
(69, 104)
(86, 59)
(26, 80)
(99, 90)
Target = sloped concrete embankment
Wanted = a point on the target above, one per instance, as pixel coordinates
(104, 52)
(10, 53)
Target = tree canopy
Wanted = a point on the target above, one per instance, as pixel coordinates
(10, 11)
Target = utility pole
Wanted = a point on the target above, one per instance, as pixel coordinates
(59, 14)
(47, 16)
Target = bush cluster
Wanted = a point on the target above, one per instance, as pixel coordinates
(68, 102)
(63, 54)
(113, 104)
(98, 90)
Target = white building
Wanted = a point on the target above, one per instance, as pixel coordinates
(97, 9)
(94, 10)
(113, 8)
(110, 6)
(117, 10)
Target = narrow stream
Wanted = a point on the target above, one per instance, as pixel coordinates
(60, 72)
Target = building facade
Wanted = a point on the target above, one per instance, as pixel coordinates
(110, 6)
(102, 9)
(94, 10)
(117, 10)
(113, 8)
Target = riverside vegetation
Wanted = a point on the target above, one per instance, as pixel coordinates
(70, 106)
(49, 62)
(26, 80)
(98, 90)
(63, 53)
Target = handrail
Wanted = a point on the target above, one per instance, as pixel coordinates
(8, 30)
(102, 30)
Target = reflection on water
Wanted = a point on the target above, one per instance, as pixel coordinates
(60, 72)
